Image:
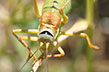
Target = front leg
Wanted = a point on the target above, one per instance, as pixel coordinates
(22, 38)
(61, 51)
(36, 65)
(38, 14)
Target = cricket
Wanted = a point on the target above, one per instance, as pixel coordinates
(52, 18)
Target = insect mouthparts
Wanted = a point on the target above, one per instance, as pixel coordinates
(45, 36)
(47, 33)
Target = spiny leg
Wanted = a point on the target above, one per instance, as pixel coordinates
(38, 14)
(65, 17)
(61, 51)
(83, 35)
(22, 38)
(26, 46)
(25, 38)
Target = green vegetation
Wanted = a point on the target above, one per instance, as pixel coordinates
(15, 14)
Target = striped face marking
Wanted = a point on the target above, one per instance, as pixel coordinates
(54, 7)
(55, 2)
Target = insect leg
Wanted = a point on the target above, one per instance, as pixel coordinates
(25, 38)
(21, 39)
(25, 31)
(61, 51)
(85, 36)
(65, 17)
(36, 65)
(38, 14)
(29, 38)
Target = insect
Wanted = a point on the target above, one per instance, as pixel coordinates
(53, 17)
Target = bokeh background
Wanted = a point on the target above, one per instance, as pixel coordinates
(79, 57)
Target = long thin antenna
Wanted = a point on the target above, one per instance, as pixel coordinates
(25, 63)
(29, 57)
(47, 45)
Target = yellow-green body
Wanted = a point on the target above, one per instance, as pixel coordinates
(55, 6)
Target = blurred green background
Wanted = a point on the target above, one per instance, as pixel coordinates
(15, 14)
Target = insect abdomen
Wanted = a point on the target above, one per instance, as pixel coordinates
(55, 5)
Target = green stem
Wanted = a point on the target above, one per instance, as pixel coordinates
(90, 16)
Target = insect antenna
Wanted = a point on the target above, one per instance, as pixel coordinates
(47, 45)
(25, 63)
(29, 57)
